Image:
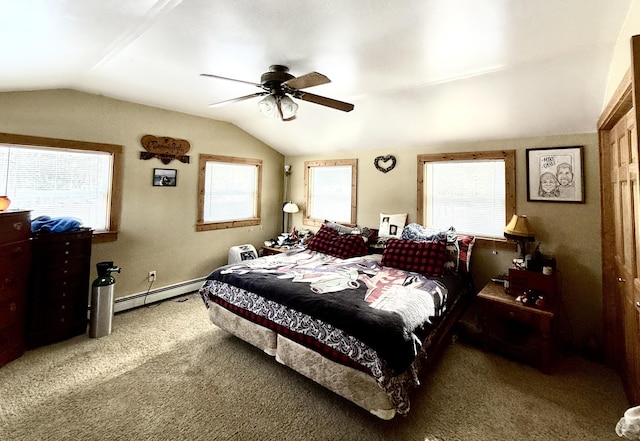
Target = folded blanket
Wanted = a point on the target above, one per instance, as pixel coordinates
(55, 224)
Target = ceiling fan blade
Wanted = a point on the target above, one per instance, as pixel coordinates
(231, 79)
(307, 80)
(235, 100)
(324, 101)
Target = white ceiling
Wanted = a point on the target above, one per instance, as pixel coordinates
(420, 72)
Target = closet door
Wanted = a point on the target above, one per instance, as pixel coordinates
(623, 144)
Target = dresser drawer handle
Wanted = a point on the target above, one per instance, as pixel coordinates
(13, 307)
(17, 252)
(638, 304)
(18, 226)
(512, 314)
(9, 281)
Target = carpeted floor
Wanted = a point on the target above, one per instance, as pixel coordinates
(167, 373)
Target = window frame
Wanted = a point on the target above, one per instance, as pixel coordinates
(308, 165)
(111, 233)
(201, 225)
(508, 156)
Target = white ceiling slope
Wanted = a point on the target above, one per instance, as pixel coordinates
(419, 72)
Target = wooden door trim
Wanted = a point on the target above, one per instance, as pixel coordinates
(619, 105)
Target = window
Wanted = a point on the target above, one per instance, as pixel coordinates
(330, 191)
(56, 177)
(474, 192)
(229, 192)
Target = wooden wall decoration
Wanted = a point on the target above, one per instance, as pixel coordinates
(164, 148)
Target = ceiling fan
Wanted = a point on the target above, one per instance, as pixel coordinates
(279, 86)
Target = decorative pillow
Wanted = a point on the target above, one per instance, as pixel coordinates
(392, 224)
(328, 241)
(452, 257)
(427, 257)
(415, 231)
(343, 229)
(465, 245)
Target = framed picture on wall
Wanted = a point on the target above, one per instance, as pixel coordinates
(165, 177)
(555, 174)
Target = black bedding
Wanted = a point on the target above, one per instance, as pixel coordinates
(389, 310)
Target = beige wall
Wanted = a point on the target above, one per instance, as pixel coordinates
(622, 54)
(157, 228)
(570, 232)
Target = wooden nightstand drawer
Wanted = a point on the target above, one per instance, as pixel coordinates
(522, 316)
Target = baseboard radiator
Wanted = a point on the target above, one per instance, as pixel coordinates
(156, 295)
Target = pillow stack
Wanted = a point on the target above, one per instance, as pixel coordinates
(328, 241)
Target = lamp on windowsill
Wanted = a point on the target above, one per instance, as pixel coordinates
(289, 208)
(518, 229)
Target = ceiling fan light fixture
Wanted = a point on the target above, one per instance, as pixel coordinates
(268, 106)
(276, 106)
(289, 108)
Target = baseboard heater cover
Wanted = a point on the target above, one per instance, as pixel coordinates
(156, 295)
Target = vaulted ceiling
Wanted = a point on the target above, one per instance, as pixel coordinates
(419, 72)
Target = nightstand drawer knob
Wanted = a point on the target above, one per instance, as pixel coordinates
(638, 304)
(621, 280)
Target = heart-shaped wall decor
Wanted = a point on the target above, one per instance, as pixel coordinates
(385, 163)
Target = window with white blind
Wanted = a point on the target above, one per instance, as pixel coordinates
(62, 178)
(330, 191)
(473, 192)
(229, 192)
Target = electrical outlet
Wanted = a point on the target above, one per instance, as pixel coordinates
(152, 276)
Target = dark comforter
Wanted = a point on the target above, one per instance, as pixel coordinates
(387, 309)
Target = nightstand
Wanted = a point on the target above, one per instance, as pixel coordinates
(268, 251)
(501, 314)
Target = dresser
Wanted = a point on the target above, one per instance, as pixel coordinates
(58, 295)
(15, 256)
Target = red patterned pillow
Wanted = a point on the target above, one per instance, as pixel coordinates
(465, 243)
(322, 240)
(425, 257)
(344, 246)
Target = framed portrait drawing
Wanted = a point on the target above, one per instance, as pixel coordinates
(165, 177)
(555, 174)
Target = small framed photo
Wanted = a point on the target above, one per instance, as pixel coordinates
(555, 174)
(165, 177)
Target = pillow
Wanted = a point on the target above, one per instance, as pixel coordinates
(392, 224)
(415, 231)
(465, 245)
(452, 257)
(426, 258)
(328, 241)
(343, 229)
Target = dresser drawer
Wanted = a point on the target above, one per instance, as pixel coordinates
(15, 227)
(11, 343)
(14, 262)
(12, 312)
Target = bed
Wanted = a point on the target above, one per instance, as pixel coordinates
(363, 325)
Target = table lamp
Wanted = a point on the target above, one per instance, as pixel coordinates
(518, 229)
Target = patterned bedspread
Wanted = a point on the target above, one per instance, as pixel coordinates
(372, 314)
